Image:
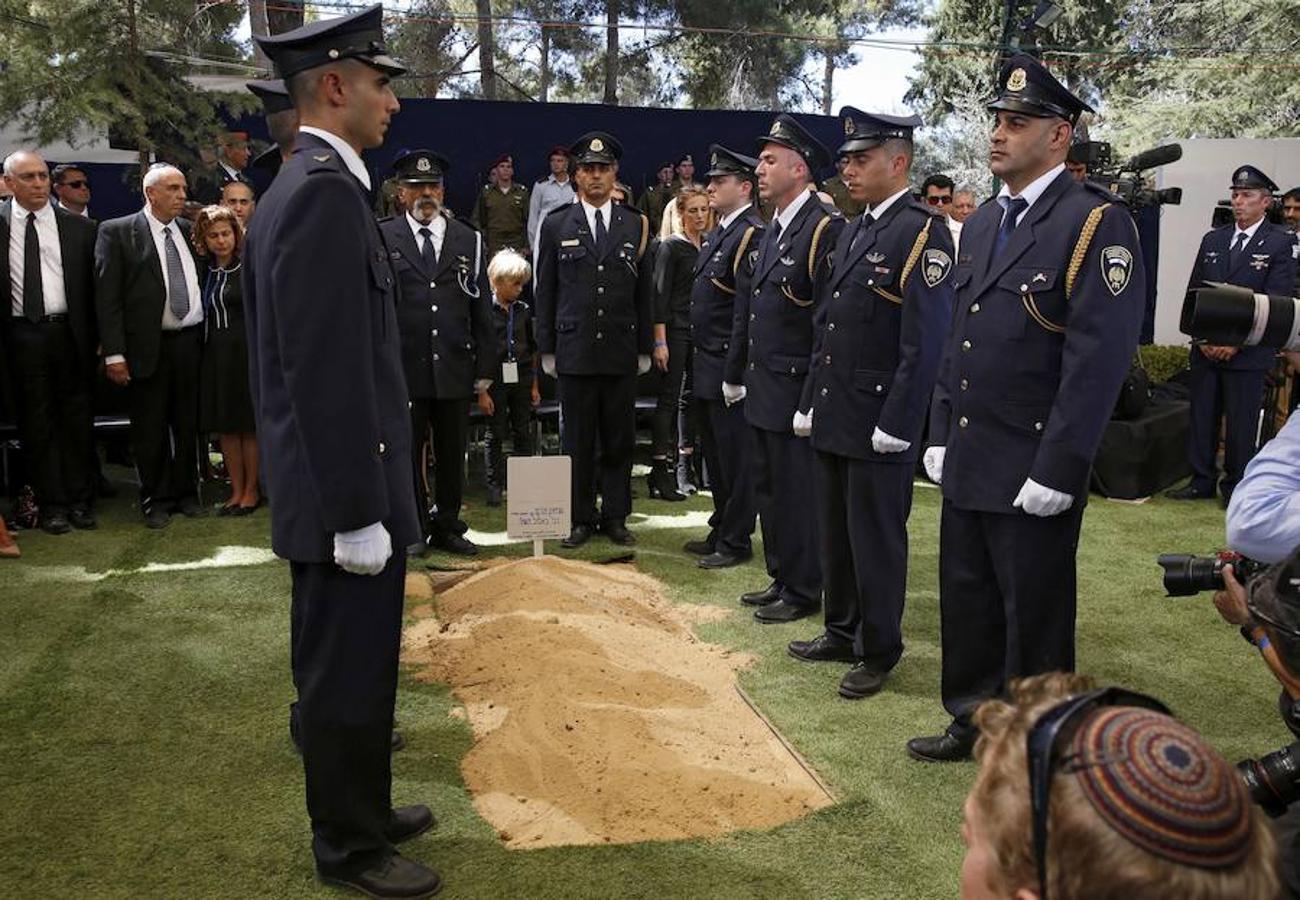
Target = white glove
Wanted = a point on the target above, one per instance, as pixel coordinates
(642, 363)
(802, 424)
(933, 460)
(548, 364)
(1040, 500)
(482, 384)
(887, 443)
(732, 393)
(364, 551)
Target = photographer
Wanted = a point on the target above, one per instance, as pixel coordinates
(1264, 513)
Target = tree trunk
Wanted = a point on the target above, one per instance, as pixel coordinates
(257, 26)
(611, 52)
(828, 80)
(143, 153)
(486, 50)
(544, 78)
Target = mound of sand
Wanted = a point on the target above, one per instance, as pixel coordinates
(598, 716)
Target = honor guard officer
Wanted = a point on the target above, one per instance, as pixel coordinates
(1228, 382)
(881, 324)
(724, 433)
(593, 303)
(1050, 287)
(771, 343)
(448, 339)
(281, 123)
(335, 433)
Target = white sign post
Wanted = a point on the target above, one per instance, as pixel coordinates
(538, 499)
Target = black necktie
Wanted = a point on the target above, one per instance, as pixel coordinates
(865, 223)
(773, 244)
(33, 288)
(601, 233)
(1234, 253)
(426, 249)
(1014, 209)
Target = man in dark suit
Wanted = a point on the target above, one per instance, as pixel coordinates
(1049, 289)
(331, 405)
(771, 344)
(593, 301)
(448, 338)
(889, 300)
(724, 435)
(47, 311)
(151, 330)
(232, 158)
(1228, 382)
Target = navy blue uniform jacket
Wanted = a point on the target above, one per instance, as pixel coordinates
(772, 330)
(325, 367)
(1267, 265)
(592, 306)
(713, 297)
(444, 315)
(880, 329)
(1038, 348)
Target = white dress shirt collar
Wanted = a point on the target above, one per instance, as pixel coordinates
(786, 216)
(883, 206)
(589, 211)
(732, 216)
(437, 228)
(1032, 191)
(156, 225)
(349, 156)
(1249, 232)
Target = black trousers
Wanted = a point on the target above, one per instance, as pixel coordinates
(1007, 598)
(783, 488)
(55, 413)
(165, 420)
(727, 442)
(668, 398)
(863, 507)
(599, 407)
(345, 631)
(445, 423)
(1236, 397)
(512, 412)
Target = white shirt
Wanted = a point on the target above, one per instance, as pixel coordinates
(47, 235)
(883, 206)
(344, 150)
(1031, 193)
(732, 216)
(437, 229)
(230, 170)
(955, 228)
(786, 216)
(195, 314)
(1236, 233)
(591, 211)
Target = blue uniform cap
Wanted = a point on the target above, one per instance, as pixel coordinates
(1025, 86)
(357, 36)
(728, 162)
(421, 167)
(273, 94)
(863, 130)
(596, 147)
(787, 132)
(1250, 177)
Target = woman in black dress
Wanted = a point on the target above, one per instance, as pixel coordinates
(674, 277)
(225, 404)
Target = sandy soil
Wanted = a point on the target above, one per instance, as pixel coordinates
(598, 716)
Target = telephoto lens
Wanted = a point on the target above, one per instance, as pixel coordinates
(1237, 317)
(1187, 574)
(1273, 780)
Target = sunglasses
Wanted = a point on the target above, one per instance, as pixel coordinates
(1042, 742)
(940, 200)
(81, 183)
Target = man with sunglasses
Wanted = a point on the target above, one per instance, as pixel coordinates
(1049, 284)
(937, 191)
(71, 189)
(1071, 775)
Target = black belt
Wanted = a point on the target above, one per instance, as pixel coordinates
(174, 332)
(45, 320)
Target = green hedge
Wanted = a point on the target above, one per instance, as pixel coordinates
(1163, 362)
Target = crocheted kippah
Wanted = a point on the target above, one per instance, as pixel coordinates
(1158, 784)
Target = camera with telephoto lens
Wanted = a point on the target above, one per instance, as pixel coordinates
(1187, 574)
(1127, 179)
(1238, 317)
(1273, 780)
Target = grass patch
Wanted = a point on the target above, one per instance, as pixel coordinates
(144, 749)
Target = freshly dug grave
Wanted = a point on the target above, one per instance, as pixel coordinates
(598, 716)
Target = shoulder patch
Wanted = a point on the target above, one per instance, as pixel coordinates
(936, 266)
(1116, 268)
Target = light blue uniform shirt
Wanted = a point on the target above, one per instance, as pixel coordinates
(1264, 514)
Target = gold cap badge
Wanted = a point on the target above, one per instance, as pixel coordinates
(1016, 80)
(422, 164)
(597, 145)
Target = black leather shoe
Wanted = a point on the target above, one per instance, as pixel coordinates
(83, 519)
(494, 495)
(702, 547)
(453, 543)
(395, 876)
(780, 611)
(721, 559)
(1189, 493)
(407, 822)
(940, 748)
(822, 648)
(618, 533)
(861, 681)
(157, 517)
(191, 508)
(55, 523)
(769, 594)
(577, 537)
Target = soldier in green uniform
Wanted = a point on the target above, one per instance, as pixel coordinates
(839, 192)
(656, 197)
(501, 211)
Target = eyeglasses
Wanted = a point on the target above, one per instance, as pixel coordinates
(1043, 759)
(938, 199)
(80, 183)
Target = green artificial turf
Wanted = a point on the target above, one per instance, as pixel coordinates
(144, 749)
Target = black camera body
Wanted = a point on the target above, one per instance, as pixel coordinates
(1273, 780)
(1187, 574)
(1126, 179)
